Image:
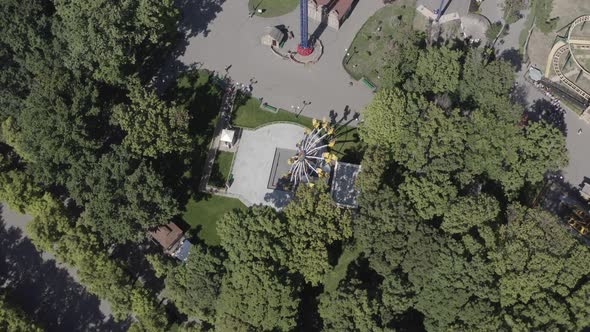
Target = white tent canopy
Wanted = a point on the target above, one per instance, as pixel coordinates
(227, 136)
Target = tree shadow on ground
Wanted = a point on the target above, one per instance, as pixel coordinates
(278, 198)
(196, 15)
(513, 57)
(45, 292)
(553, 114)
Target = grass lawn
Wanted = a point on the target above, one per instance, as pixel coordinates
(205, 213)
(333, 277)
(249, 115)
(221, 168)
(372, 45)
(272, 8)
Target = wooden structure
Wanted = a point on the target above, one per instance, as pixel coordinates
(172, 239)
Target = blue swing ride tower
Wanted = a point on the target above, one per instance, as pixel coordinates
(304, 49)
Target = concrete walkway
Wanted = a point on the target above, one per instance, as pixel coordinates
(253, 163)
(231, 38)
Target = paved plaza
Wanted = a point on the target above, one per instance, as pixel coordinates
(254, 160)
(232, 38)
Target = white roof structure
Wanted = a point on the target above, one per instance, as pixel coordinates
(227, 135)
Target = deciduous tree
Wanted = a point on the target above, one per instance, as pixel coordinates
(153, 128)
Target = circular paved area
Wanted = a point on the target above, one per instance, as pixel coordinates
(253, 163)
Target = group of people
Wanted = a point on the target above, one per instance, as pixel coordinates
(556, 113)
(227, 105)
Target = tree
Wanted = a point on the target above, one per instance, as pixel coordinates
(153, 128)
(313, 223)
(253, 234)
(537, 257)
(127, 198)
(484, 81)
(61, 124)
(195, 285)
(110, 39)
(146, 308)
(254, 296)
(543, 149)
(349, 309)
(468, 212)
(375, 162)
(17, 189)
(387, 115)
(13, 319)
(401, 66)
(429, 196)
(438, 70)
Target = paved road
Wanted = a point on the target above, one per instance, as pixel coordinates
(48, 292)
(225, 35)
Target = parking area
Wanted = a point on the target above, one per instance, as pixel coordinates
(254, 161)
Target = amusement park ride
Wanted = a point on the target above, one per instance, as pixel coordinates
(313, 158)
(304, 49)
(579, 220)
(438, 12)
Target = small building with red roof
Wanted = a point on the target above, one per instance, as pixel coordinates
(331, 12)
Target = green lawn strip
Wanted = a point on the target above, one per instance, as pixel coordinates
(249, 115)
(369, 50)
(221, 168)
(272, 8)
(206, 212)
(333, 277)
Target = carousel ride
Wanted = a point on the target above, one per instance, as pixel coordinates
(313, 158)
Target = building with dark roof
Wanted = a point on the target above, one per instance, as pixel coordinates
(171, 238)
(344, 190)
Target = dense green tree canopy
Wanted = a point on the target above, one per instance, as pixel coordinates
(433, 220)
(438, 70)
(126, 198)
(314, 222)
(442, 241)
(194, 286)
(110, 38)
(254, 296)
(349, 309)
(153, 128)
